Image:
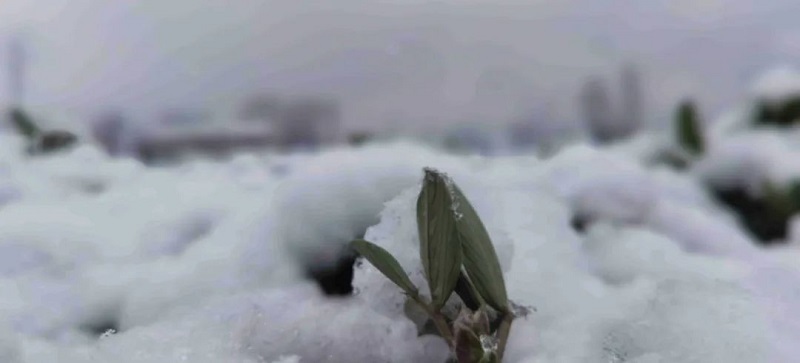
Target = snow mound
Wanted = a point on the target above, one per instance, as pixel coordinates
(605, 298)
(108, 260)
(332, 198)
(777, 83)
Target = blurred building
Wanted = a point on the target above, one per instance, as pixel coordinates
(208, 141)
(631, 100)
(262, 122)
(108, 129)
(299, 122)
(595, 100)
(523, 134)
(470, 138)
(606, 122)
(540, 131)
(261, 108)
(184, 117)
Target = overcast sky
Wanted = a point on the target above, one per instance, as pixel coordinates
(418, 61)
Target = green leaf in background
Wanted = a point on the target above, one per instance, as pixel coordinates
(440, 249)
(385, 263)
(480, 258)
(782, 202)
(794, 195)
(690, 134)
(56, 140)
(23, 123)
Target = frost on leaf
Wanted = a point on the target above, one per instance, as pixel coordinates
(431, 174)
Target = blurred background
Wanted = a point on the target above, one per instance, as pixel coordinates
(157, 79)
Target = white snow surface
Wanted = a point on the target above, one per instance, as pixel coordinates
(777, 83)
(203, 262)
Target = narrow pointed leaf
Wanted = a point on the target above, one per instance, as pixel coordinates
(23, 123)
(385, 263)
(480, 258)
(690, 133)
(440, 250)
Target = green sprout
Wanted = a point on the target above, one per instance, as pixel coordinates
(40, 141)
(24, 124)
(457, 257)
(690, 132)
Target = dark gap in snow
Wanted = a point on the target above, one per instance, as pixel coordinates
(102, 320)
(768, 225)
(580, 222)
(102, 327)
(337, 279)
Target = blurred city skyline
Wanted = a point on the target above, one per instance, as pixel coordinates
(392, 65)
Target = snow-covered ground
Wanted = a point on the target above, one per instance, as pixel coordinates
(203, 262)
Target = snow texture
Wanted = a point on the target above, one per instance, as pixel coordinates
(777, 83)
(105, 259)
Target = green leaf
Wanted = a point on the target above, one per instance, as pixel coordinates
(56, 140)
(440, 249)
(480, 258)
(794, 195)
(23, 123)
(385, 263)
(690, 133)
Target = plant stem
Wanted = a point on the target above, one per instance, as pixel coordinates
(438, 320)
(441, 325)
(502, 334)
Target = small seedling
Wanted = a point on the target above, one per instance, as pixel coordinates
(40, 141)
(457, 257)
(690, 133)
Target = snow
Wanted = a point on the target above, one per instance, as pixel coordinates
(749, 160)
(777, 83)
(106, 259)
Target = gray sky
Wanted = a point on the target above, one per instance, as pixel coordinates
(424, 62)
